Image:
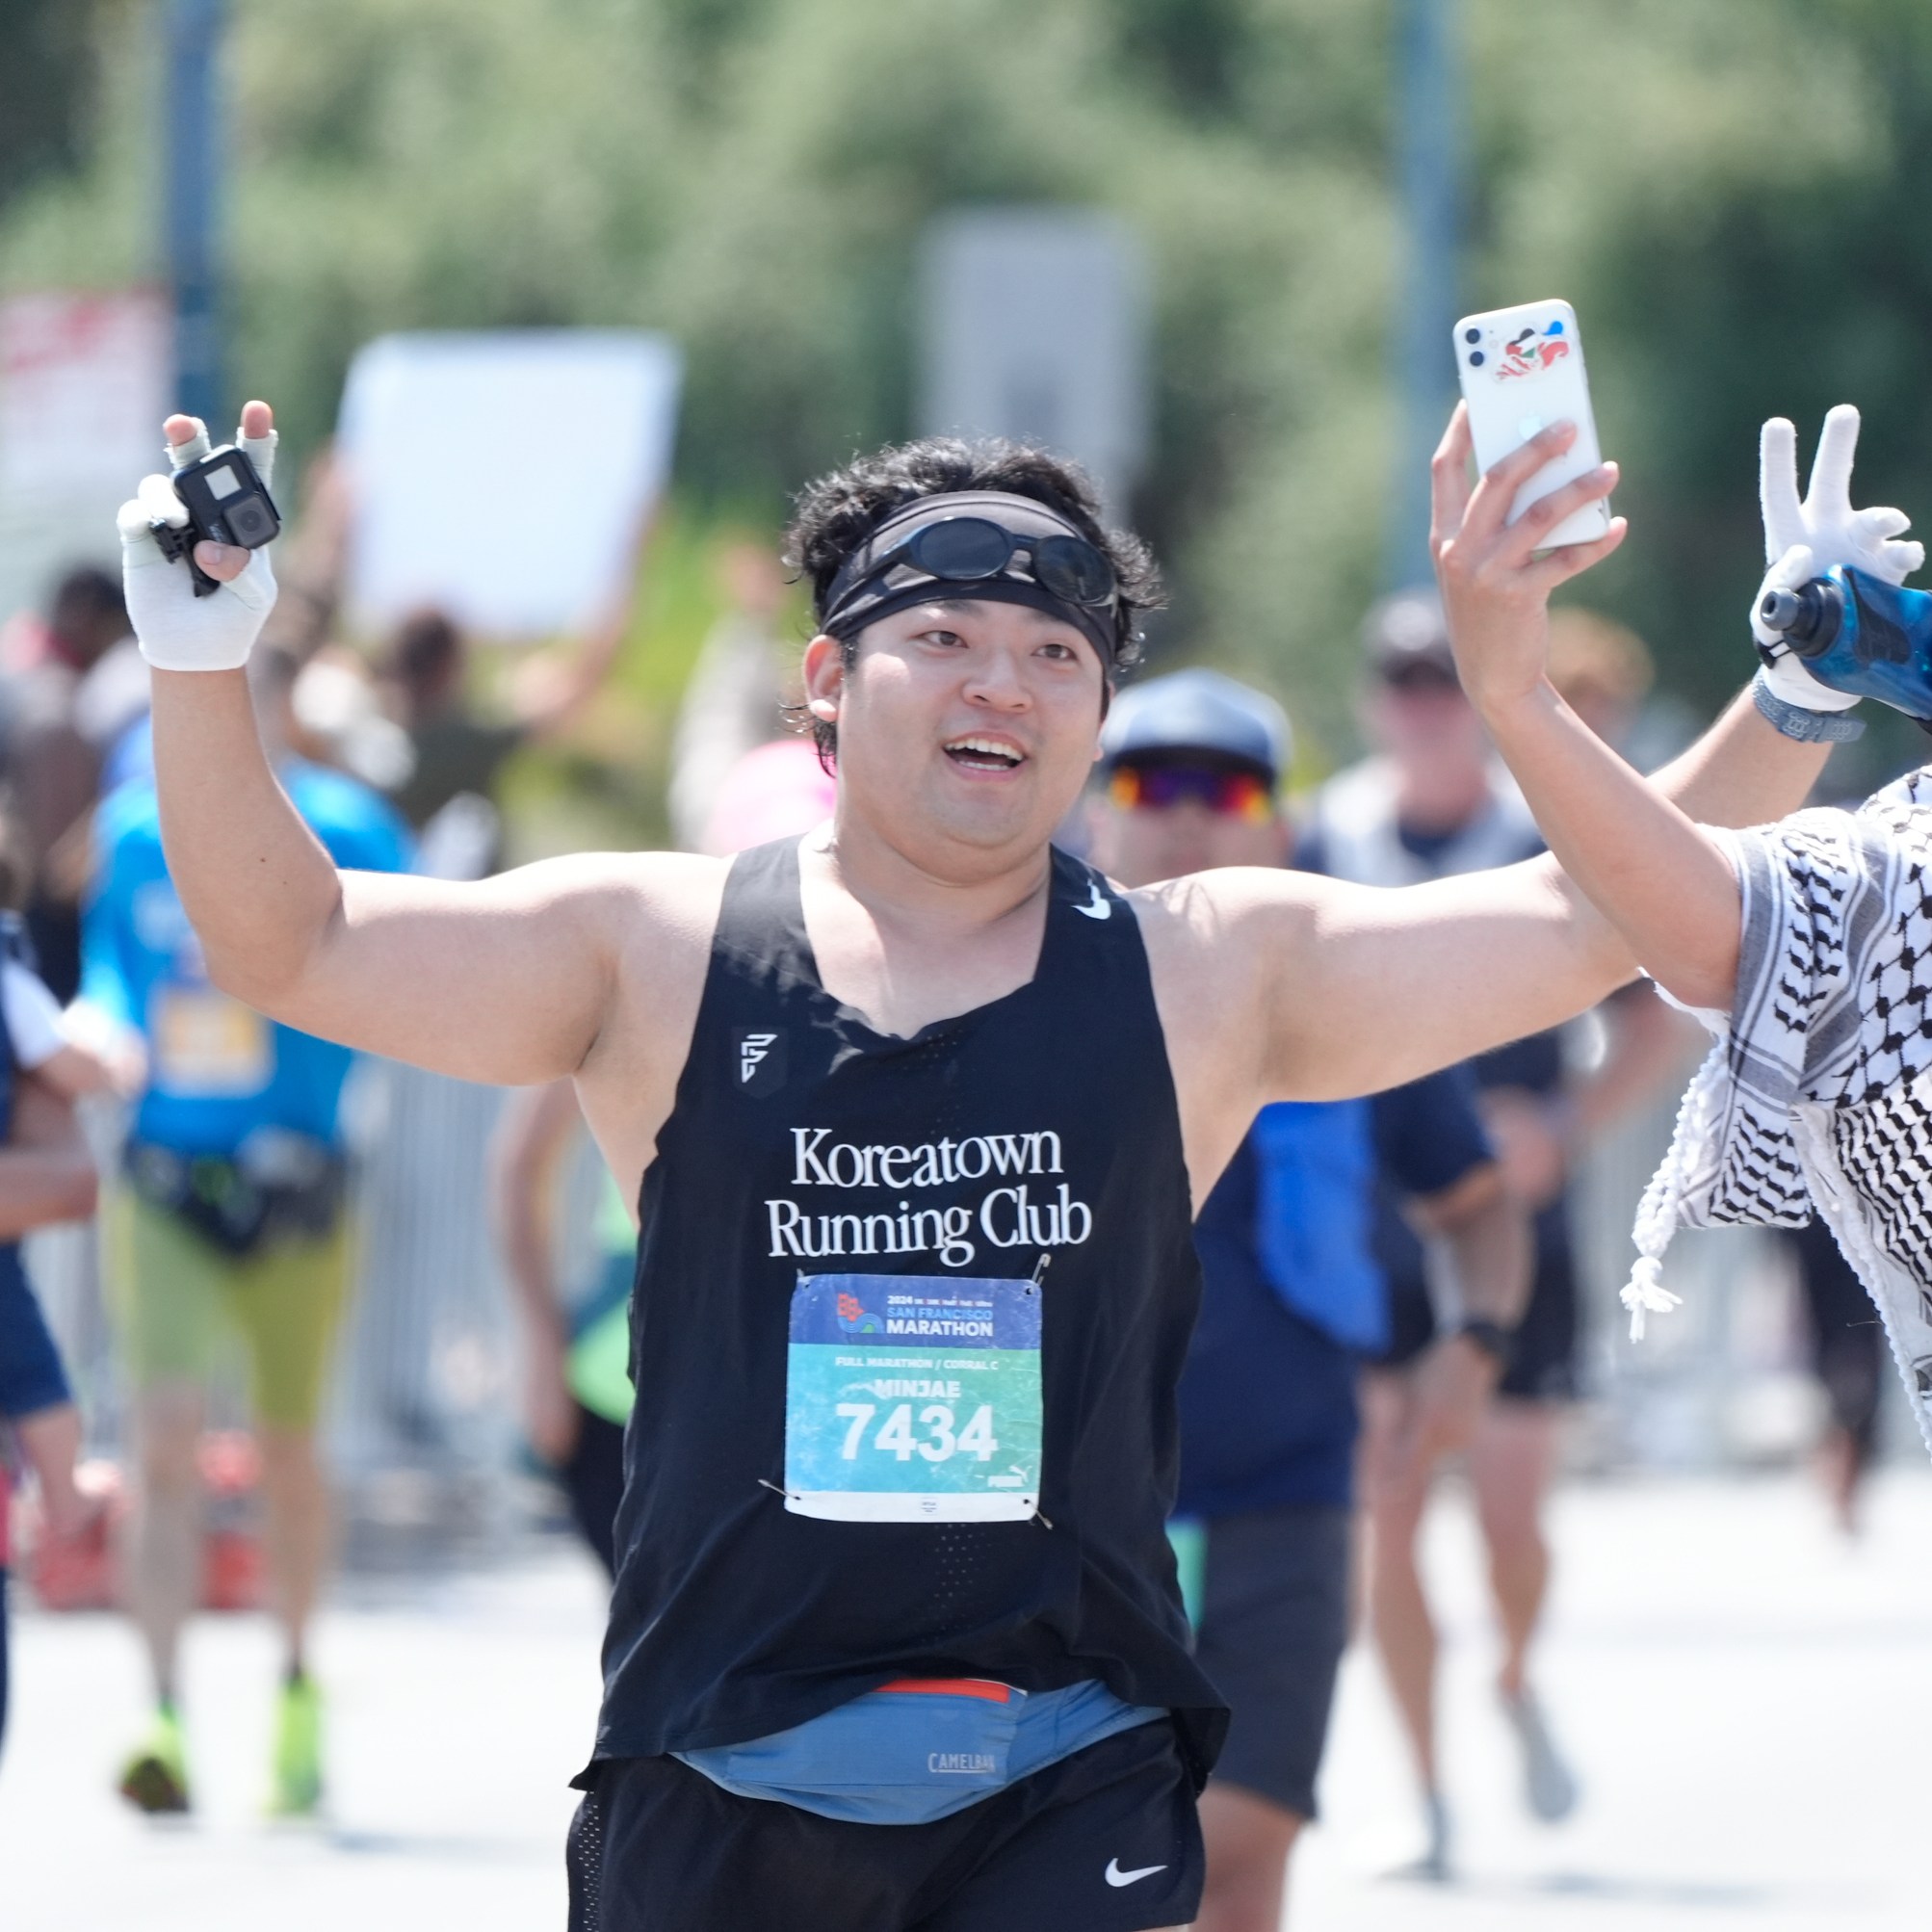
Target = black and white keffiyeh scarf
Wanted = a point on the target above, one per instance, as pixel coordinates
(1819, 1088)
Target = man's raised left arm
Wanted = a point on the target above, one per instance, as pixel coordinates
(1371, 987)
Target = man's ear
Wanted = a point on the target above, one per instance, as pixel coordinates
(824, 673)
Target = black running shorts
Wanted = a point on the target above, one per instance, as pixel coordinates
(1105, 1841)
(1274, 1623)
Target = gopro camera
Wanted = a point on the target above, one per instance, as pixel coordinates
(227, 503)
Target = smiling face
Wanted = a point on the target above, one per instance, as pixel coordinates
(966, 729)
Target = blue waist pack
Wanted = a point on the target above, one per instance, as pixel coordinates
(919, 1749)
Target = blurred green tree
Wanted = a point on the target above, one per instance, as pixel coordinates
(47, 88)
(1729, 190)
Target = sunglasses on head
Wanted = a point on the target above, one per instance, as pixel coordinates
(963, 549)
(1418, 675)
(1158, 788)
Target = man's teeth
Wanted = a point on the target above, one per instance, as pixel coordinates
(983, 747)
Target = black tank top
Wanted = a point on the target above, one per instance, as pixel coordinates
(803, 1141)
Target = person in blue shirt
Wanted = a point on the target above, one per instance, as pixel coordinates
(229, 1224)
(1293, 1299)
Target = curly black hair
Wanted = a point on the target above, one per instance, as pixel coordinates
(839, 510)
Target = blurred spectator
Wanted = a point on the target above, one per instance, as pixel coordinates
(53, 764)
(577, 1391)
(781, 786)
(459, 753)
(1848, 1359)
(732, 698)
(229, 1222)
(1433, 801)
(1291, 1299)
(339, 720)
(1602, 671)
(46, 1175)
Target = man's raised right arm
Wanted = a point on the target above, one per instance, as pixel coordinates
(508, 980)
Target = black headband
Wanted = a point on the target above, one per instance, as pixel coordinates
(856, 596)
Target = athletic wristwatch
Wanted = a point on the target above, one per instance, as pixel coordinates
(1495, 1340)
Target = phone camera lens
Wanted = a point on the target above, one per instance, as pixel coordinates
(1476, 361)
(1472, 335)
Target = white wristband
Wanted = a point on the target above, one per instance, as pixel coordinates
(1788, 678)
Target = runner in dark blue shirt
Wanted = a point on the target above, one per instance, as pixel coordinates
(1294, 1298)
(1434, 804)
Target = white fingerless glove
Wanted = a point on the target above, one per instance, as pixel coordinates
(1804, 539)
(176, 630)
(1786, 674)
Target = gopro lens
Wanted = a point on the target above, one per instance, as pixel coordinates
(250, 523)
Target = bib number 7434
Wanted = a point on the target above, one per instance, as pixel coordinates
(913, 1399)
(976, 1439)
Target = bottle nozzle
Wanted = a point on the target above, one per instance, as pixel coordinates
(1807, 619)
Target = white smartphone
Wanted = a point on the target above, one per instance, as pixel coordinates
(1522, 369)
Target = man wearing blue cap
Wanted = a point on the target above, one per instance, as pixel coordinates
(1292, 1299)
(919, 1111)
(1433, 803)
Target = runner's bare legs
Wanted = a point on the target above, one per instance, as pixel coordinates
(296, 1527)
(1512, 1463)
(1249, 1840)
(164, 1546)
(1396, 1496)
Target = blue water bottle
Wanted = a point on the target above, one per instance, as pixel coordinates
(1859, 636)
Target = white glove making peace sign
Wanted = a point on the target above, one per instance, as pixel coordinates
(176, 630)
(1803, 539)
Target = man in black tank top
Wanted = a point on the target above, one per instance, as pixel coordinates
(917, 1110)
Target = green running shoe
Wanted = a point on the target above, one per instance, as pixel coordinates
(155, 1779)
(297, 1786)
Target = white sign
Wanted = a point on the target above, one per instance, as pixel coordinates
(84, 384)
(1034, 325)
(504, 476)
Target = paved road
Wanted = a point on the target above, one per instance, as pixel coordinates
(1749, 1702)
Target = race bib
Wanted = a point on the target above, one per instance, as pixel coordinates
(208, 1044)
(913, 1399)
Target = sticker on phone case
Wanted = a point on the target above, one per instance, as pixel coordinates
(1532, 351)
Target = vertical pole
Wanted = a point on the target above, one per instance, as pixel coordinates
(1429, 153)
(192, 215)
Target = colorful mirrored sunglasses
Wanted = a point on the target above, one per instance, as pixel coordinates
(1157, 788)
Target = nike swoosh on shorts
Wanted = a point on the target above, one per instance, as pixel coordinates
(1114, 1874)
